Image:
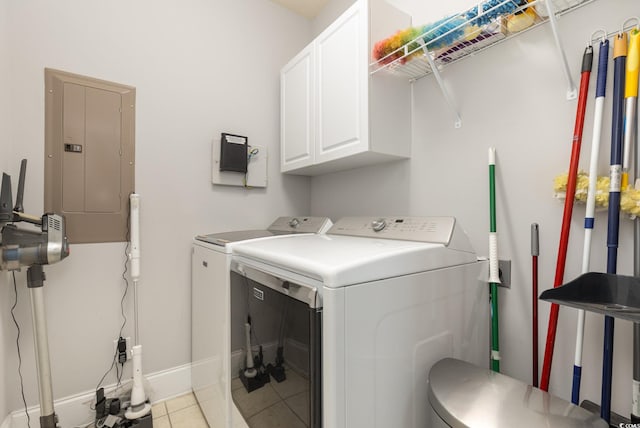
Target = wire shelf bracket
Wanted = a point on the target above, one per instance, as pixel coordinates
(436, 73)
(572, 91)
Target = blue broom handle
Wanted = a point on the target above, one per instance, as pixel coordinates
(615, 176)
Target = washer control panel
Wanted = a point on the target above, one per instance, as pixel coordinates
(300, 225)
(422, 229)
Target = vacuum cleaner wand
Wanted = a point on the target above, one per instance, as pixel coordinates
(139, 406)
(33, 249)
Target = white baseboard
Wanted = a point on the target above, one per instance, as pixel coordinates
(7, 422)
(74, 410)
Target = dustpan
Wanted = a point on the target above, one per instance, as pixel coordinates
(614, 295)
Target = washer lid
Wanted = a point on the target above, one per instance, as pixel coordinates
(281, 226)
(464, 395)
(339, 261)
(225, 238)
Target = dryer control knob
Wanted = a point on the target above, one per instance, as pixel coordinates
(294, 222)
(378, 225)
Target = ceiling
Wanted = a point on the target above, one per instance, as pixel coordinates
(306, 8)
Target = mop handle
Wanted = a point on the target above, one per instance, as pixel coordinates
(535, 251)
(633, 56)
(589, 219)
(633, 64)
(613, 223)
(494, 271)
(587, 60)
(617, 137)
(631, 97)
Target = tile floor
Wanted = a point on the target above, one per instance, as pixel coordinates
(179, 412)
(276, 404)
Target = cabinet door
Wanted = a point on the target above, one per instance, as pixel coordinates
(342, 91)
(297, 111)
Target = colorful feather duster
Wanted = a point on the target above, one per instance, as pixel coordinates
(444, 32)
(403, 45)
(492, 9)
(390, 49)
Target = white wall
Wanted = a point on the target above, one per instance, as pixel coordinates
(200, 67)
(5, 153)
(328, 14)
(511, 97)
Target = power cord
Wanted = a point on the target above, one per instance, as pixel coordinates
(252, 152)
(124, 316)
(15, 303)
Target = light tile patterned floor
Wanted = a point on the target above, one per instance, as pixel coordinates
(179, 412)
(275, 404)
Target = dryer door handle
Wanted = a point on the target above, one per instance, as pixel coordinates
(304, 293)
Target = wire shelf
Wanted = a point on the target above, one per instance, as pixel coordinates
(416, 58)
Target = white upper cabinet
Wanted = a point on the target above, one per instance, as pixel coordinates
(297, 111)
(334, 116)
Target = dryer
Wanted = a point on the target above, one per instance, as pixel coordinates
(370, 307)
(211, 256)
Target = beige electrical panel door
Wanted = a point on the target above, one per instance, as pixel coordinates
(89, 155)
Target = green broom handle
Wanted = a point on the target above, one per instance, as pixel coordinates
(494, 274)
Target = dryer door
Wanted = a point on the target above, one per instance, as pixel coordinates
(284, 384)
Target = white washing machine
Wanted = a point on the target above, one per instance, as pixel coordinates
(211, 256)
(362, 313)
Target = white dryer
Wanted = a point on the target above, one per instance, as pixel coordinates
(211, 256)
(380, 301)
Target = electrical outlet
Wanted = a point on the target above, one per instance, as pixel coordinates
(504, 269)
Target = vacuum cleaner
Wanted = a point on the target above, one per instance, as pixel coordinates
(140, 409)
(33, 249)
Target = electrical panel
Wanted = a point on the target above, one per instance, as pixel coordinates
(89, 155)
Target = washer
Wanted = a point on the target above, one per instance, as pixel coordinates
(370, 307)
(211, 256)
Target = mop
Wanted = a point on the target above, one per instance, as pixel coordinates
(589, 219)
(631, 128)
(613, 223)
(139, 406)
(587, 59)
(535, 251)
(494, 272)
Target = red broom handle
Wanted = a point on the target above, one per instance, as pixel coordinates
(535, 251)
(566, 219)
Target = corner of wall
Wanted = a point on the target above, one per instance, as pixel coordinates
(328, 14)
